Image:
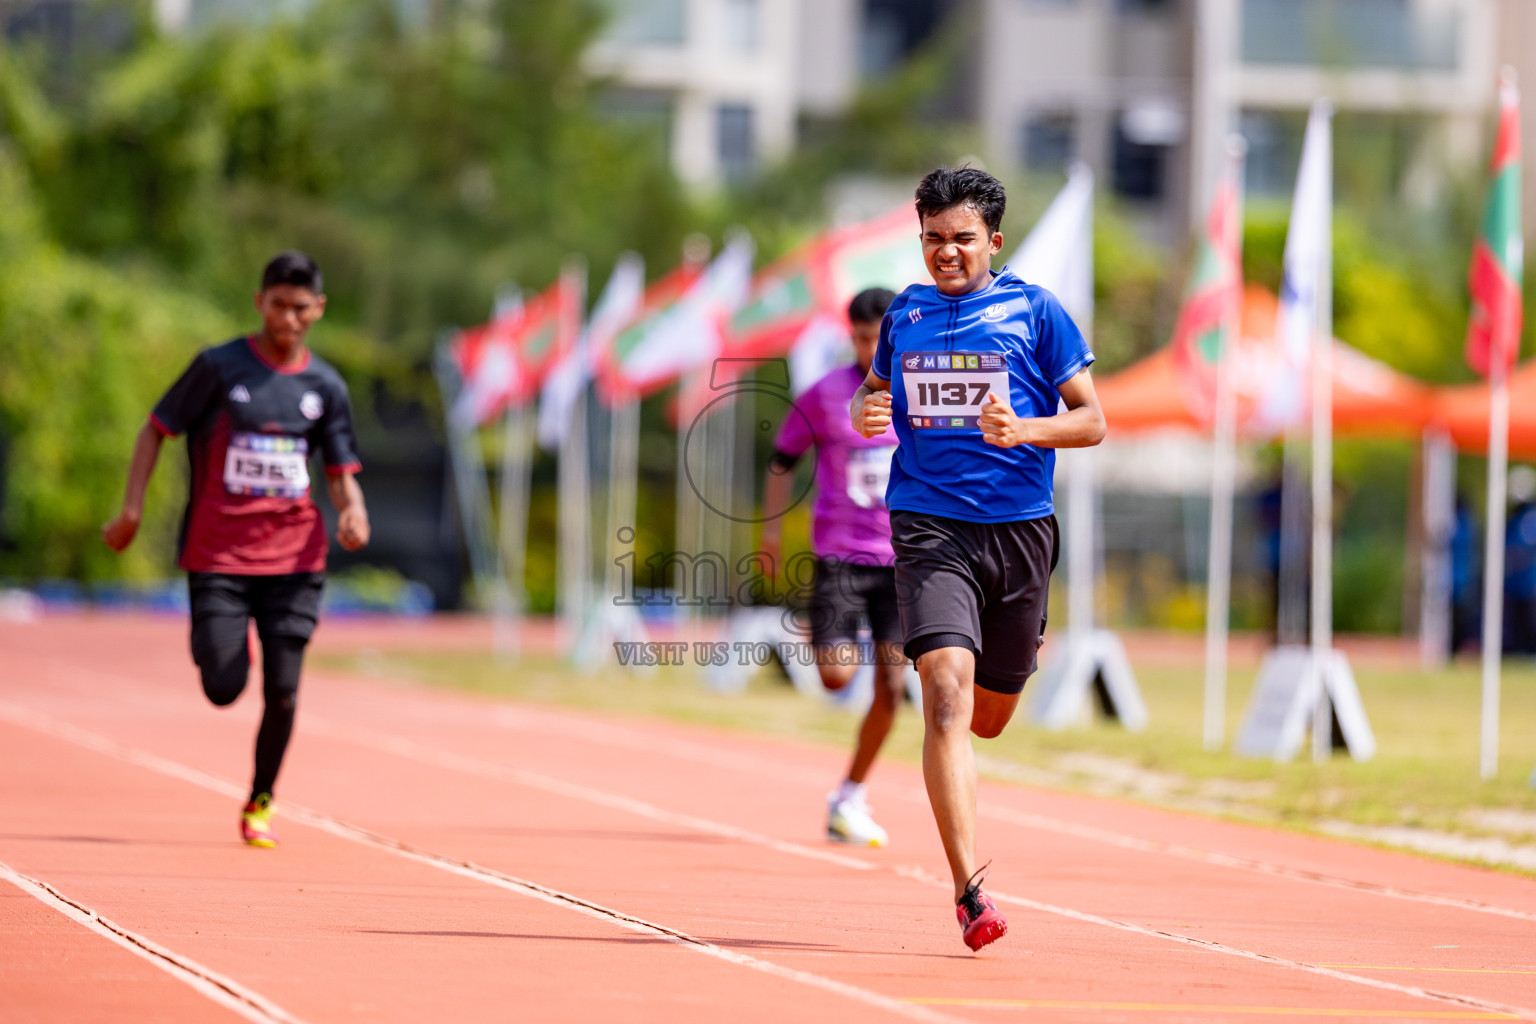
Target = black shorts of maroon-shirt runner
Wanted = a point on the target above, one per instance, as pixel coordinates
(979, 585)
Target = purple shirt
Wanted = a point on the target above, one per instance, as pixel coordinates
(849, 519)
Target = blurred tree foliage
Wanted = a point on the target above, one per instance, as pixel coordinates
(423, 165)
(70, 403)
(426, 163)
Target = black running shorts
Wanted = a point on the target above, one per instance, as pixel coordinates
(223, 605)
(846, 594)
(987, 582)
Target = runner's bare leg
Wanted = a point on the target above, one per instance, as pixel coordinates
(890, 685)
(949, 763)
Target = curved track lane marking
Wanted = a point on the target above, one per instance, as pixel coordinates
(467, 869)
(687, 750)
(1226, 860)
(750, 764)
(229, 994)
(399, 746)
(1268, 1011)
(409, 749)
(1484, 1005)
(431, 755)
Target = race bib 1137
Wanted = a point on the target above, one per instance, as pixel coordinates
(946, 390)
(269, 465)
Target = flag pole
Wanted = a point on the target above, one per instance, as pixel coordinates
(1218, 595)
(471, 493)
(1438, 504)
(575, 525)
(1493, 562)
(1496, 276)
(1322, 473)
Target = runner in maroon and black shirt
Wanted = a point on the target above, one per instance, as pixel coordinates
(255, 410)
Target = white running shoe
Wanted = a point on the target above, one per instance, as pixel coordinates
(848, 821)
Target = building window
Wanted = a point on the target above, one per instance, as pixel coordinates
(1406, 34)
(1138, 170)
(644, 113)
(1050, 141)
(649, 22)
(733, 140)
(1274, 147)
(892, 29)
(741, 25)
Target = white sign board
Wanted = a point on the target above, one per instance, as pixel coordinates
(1283, 699)
(1061, 695)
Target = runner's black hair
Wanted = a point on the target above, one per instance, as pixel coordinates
(870, 305)
(295, 268)
(947, 187)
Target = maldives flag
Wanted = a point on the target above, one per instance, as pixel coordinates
(547, 329)
(1213, 295)
(817, 280)
(615, 383)
(1498, 257)
(504, 361)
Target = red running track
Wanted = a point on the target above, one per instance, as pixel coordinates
(453, 858)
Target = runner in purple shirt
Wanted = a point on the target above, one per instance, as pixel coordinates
(851, 534)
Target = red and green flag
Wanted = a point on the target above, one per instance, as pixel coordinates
(820, 277)
(1213, 295)
(547, 329)
(503, 362)
(615, 376)
(1498, 256)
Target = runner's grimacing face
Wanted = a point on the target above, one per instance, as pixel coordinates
(958, 249)
(866, 338)
(287, 313)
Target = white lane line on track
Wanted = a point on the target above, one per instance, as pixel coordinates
(402, 747)
(1220, 947)
(428, 755)
(608, 734)
(1126, 842)
(406, 746)
(319, 820)
(214, 986)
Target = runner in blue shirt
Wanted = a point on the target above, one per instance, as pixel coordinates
(970, 371)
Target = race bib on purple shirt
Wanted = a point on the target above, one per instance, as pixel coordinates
(869, 470)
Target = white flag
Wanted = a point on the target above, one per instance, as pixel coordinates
(820, 348)
(614, 309)
(1307, 241)
(1058, 254)
(687, 336)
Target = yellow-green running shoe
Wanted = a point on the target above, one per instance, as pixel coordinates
(256, 822)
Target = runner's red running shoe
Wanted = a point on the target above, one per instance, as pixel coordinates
(980, 920)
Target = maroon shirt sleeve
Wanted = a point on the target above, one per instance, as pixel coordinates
(189, 399)
(338, 444)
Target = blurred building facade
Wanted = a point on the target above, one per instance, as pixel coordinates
(1144, 91)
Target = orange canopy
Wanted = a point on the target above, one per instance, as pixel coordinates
(1463, 411)
(1369, 397)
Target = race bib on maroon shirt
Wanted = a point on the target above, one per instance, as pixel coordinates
(271, 465)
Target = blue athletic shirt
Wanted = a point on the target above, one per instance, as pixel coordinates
(942, 353)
